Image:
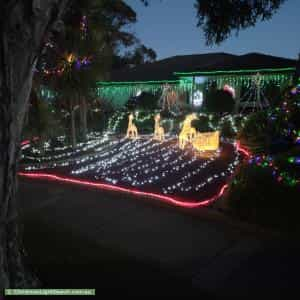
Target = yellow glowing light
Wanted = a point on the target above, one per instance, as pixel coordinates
(188, 132)
(132, 132)
(207, 141)
(159, 132)
(70, 58)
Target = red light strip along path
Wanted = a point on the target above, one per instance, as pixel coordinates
(103, 186)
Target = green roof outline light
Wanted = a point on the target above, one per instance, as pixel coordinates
(245, 71)
(138, 82)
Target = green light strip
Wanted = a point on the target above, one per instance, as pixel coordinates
(119, 94)
(136, 82)
(235, 71)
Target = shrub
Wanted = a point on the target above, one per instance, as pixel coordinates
(146, 101)
(227, 130)
(274, 130)
(202, 124)
(254, 133)
(273, 94)
(257, 197)
(145, 122)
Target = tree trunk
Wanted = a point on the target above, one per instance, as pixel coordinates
(22, 33)
(73, 125)
(83, 118)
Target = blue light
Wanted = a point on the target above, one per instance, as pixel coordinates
(200, 80)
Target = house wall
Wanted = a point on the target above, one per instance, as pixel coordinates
(194, 87)
(201, 85)
(120, 93)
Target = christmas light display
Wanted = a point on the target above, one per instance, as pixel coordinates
(180, 202)
(115, 121)
(294, 160)
(159, 132)
(243, 150)
(169, 99)
(255, 97)
(71, 59)
(143, 166)
(120, 92)
(83, 27)
(250, 72)
(198, 98)
(206, 141)
(267, 161)
(132, 131)
(188, 132)
(67, 151)
(230, 90)
(238, 79)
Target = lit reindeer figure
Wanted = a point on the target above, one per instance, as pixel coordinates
(132, 130)
(188, 133)
(159, 132)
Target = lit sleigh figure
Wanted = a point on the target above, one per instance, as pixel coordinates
(206, 141)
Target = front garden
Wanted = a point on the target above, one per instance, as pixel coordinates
(262, 181)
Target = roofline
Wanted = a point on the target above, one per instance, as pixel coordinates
(205, 73)
(246, 71)
(136, 82)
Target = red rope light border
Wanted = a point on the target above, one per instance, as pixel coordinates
(185, 203)
(103, 186)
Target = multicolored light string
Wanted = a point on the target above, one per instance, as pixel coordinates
(294, 160)
(83, 26)
(266, 161)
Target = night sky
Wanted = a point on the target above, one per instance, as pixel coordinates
(169, 27)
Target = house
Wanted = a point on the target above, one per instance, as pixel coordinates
(192, 76)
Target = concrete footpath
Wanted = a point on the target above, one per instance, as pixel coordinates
(203, 249)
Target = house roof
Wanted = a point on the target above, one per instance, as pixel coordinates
(173, 67)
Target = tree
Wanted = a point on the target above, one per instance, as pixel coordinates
(24, 31)
(298, 69)
(41, 122)
(94, 33)
(219, 18)
(140, 55)
(22, 34)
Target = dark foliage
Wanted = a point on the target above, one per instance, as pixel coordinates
(255, 196)
(273, 94)
(202, 124)
(219, 101)
(219, 18)
(227, 130)
(254, 133)
(146, 101)
(139, 56)
(41, 119)
(274, 130)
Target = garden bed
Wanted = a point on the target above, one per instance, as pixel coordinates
(144, 166)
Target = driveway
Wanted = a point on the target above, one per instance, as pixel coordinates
(106, 237)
